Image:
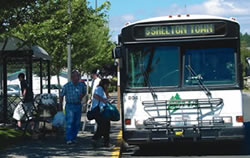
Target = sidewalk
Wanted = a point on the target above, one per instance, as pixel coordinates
(55, 146)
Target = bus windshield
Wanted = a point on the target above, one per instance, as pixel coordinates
(214, 65)
(159, 64)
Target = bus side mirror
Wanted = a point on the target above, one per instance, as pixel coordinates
(116, 53)
(248, 60)
(248, 66)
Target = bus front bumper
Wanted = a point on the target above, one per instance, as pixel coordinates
(209, 134)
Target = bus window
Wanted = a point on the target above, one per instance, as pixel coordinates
(215, 65)
(158, 66)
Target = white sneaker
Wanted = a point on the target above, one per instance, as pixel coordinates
(69, 142)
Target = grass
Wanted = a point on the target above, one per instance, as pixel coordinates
(246, 90)
(9, 137)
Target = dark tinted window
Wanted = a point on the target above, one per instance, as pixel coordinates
(214, 65)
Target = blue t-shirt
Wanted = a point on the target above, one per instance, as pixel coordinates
(100, 92)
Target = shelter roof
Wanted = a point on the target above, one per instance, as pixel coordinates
(15, 45)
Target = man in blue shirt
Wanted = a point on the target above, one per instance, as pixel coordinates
(73, 91)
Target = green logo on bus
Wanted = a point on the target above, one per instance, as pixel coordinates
(175, 103)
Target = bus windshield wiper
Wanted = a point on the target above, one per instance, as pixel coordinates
(199, 78)
(146, 78)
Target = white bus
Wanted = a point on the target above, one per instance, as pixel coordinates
(181, 79)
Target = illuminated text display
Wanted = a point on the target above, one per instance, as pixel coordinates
(179, 30)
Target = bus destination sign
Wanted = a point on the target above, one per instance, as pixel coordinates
(179, 30)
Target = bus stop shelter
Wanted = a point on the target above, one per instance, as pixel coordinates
(15, 52)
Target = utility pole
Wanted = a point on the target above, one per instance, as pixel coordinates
(118, 86)
(95, 5)
(69, 44)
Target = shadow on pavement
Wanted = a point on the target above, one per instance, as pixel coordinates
(56, 146)
(190, 149)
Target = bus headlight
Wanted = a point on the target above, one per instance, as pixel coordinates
(222, 120)
(227, 119)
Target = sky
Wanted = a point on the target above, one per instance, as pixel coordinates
(123, 11)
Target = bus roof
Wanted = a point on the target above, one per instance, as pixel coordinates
(181, 17)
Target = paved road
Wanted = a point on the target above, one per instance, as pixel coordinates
(246, 107)
(182, 150)
(197, 150)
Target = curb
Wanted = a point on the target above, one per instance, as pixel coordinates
(116, 153)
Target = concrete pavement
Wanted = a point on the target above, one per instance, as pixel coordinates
(55, 146)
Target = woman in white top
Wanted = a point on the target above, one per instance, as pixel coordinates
(100, 99)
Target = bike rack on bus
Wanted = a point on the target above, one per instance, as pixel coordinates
(161, 113)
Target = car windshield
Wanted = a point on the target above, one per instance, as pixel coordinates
(158, 66)
(214, 65)
(10, 89)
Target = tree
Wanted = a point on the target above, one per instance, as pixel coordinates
(245, 52)
(93, 50)
(18, 12)
(91, 45)
(246, 39)
(50, 32)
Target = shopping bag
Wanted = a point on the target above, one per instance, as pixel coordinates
(92, 114)
(59, 119)
(111, 112)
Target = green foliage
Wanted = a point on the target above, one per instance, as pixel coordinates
(95, 44)
(245, 51)
(245, 40)
(47, 23)
(9, 137)
(113, 85)
(18, 12)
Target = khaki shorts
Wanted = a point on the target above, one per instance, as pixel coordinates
(19, 112)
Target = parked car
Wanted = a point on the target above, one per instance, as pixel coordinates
(13, 90)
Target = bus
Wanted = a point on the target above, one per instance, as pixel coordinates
(180, 79)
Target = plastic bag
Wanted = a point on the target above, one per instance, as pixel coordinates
(59, 119)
